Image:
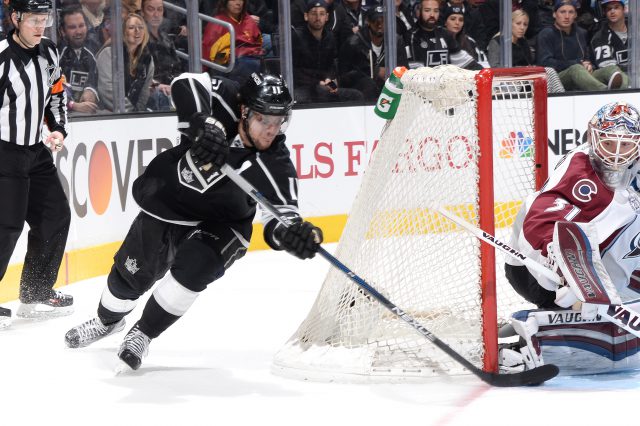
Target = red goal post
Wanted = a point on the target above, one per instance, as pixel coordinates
(486, 80)
(473, 142)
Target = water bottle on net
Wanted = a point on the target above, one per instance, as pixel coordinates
(389, 98)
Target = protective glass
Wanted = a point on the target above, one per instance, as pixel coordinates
(279, 122)
(37, 20)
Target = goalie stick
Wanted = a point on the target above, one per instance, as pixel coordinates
(529, 377)
(603, 295)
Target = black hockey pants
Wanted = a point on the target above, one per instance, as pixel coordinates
(526, 286)
(31, 192)
(196, 256)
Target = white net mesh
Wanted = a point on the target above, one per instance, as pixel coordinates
(427, 157)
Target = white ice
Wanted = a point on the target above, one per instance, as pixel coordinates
(213, 368)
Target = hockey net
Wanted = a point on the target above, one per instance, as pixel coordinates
(474, 143)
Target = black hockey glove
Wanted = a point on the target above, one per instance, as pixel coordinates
(209, 139)
(301, 239)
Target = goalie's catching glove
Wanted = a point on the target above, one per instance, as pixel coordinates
(301, 239)
(210, 145)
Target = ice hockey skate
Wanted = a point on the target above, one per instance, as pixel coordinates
(57, 305)
(134, 347)
(5, 317)
(91, 331)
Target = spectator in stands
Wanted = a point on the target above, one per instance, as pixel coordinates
(3, 27)
(490, 12)
(454, 22)
(349, 19)
(138, 67)
(431, 45)
(76, 28)
(78, 63)
(263, 16)
(331, 10)
(166, 63)
(314, 57)
(609, 44)
(405, 19)
(175, 23)
(521, 52)
(103, 31)
(544, 19)
(473, 23)
(94, 13)
(564, 47)
(298, 8)
(216, 42)
(132, 6)
(361, 60)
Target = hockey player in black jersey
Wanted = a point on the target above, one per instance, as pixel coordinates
(195, 222)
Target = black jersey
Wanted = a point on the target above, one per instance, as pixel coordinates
(607, 49)
(437, 47)
(31, 92)
(79, 69)
(172, 190)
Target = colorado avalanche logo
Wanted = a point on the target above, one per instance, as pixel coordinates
(634, 248)
(584, 190)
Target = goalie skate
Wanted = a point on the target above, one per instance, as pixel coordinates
(134, 347)
(57, 305)
(5, 317)
(91, 331)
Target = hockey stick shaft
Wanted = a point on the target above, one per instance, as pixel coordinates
(620, 315)
(518, 379)
(492, 240)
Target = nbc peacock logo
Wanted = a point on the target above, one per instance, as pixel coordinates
(516, 145)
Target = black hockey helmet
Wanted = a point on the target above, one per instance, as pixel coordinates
(30, 6)
(267, 94)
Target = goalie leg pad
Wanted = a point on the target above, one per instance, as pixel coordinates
(576, 344)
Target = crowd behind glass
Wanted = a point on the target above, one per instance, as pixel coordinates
(337, 46)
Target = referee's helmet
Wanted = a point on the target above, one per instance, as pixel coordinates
(29, 6)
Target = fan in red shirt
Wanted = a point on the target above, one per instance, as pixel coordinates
(216, 40)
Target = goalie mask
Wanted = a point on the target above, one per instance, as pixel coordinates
(614, 134)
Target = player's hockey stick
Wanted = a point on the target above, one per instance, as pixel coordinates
(534, 376)
(619, 314)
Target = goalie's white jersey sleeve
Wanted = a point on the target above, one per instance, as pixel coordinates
(574, 192)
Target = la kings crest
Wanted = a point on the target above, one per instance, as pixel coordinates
(193, 177)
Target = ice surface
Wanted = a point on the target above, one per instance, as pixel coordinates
(213, 368)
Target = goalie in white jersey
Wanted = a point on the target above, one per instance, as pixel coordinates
(592, 185)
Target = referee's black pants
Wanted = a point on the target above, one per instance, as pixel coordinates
(31, 192)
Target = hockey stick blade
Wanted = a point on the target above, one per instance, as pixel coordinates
(529, 377)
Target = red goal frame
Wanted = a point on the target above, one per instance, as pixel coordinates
(484, 83)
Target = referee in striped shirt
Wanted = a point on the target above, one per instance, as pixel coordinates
(31, 94)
